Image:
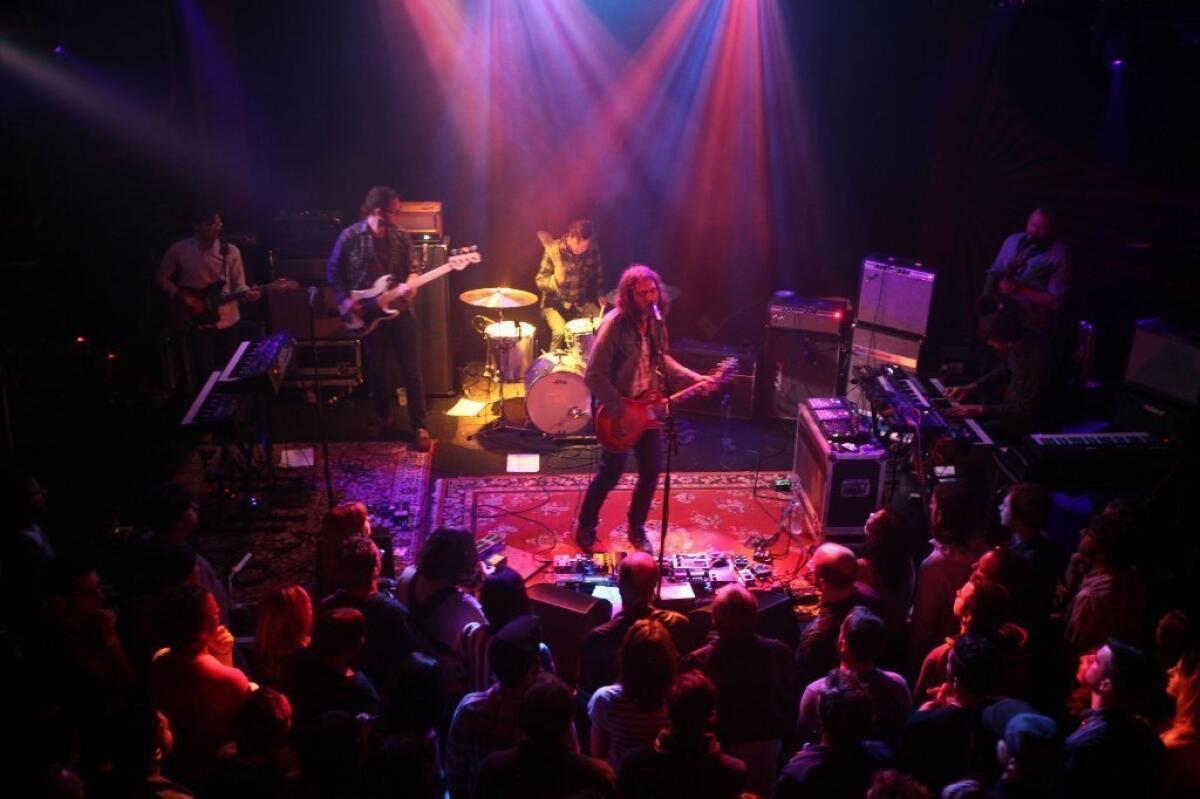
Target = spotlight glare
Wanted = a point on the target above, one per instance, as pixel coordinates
(60, 49)
(80, 340)
(1117, 64)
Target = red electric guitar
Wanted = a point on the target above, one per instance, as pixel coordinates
(619, 433)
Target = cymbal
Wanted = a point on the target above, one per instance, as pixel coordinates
(672, 293)
(498, 297)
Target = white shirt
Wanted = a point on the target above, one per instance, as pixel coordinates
(185, 265)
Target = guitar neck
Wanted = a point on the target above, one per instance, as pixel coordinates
(684, 393)
(432, 274)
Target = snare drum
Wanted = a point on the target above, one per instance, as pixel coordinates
(510, 348)
(581, 335)
(556, 398)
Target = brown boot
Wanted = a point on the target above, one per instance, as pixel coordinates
(422, 441)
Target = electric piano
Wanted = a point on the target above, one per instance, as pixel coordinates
(258, 366)
(1091, 461)
(922, 405)
(213, 411)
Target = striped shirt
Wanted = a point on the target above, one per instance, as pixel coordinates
(626, 726)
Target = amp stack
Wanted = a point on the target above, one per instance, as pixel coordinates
(802, 353)
(894, 297)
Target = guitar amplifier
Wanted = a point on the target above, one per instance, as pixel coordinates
(789, 312)
(736, 397)
(422, 219)
(895, 293)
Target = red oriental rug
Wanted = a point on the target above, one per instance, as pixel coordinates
(535, 513)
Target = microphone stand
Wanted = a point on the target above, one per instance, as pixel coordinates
(672, 448)
(312, 336)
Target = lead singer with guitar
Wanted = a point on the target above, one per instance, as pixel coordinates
(365, 251)
(630, 357)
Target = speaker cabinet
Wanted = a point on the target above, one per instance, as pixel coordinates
(288, 311)
(305, 271)
(874, 347)
(1138, 409)
(433, 316)
(567, 616)
(795, 366)
(736, 397)
(1165, 359)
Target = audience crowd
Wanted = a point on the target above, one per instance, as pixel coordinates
(988, 662)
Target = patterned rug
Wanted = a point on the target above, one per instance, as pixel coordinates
(280, 531)
(535, 513)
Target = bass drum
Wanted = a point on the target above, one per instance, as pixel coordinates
(556, 398)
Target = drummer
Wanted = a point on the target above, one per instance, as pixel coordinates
(569, 278)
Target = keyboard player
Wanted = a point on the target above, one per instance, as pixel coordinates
(1020, 378)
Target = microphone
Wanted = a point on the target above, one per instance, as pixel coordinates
(657, 313)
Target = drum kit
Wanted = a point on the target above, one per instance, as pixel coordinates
(557, 401)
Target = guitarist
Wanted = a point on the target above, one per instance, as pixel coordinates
(365, 251)
(196, 263)
(569, 278)
(629, 358)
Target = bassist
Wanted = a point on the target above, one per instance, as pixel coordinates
(196, 264)
(365, 251)
(630, 357)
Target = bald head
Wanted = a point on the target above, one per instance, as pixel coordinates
(835, 568)
(735, 612)
(636, 580)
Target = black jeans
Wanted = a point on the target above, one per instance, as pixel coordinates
(649, 453)
(208, 349)
(396, 341)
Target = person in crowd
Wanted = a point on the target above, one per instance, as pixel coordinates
(543, 765)
(79, 659)
(172, 516)
(503, 598)
(1025, 511)
(756, 687)
(957, 544)
(1182, 738)
(488, 721)
(433, 592)
(982, 609)
(389, 636)
(260, 761)
(1115, 752)
(637, 580)
(140, 739)
(844, 762)
(345, 520)
(1030, 753)
(686, 760)
(197, 692)
(861, 641)
(630, 713)
(406, 746)
(1111, 600)
(364, 252)
(892, 784)
(946, 739)
(887, 567)
(285, 620)
(333, 749)
(322, 676)
(25, 551)
(835, 572)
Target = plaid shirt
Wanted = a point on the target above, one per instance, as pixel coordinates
(581, 275)
(485, 722)
(349, 265)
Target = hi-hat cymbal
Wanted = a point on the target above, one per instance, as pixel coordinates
(498, 297)
(672, 293)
